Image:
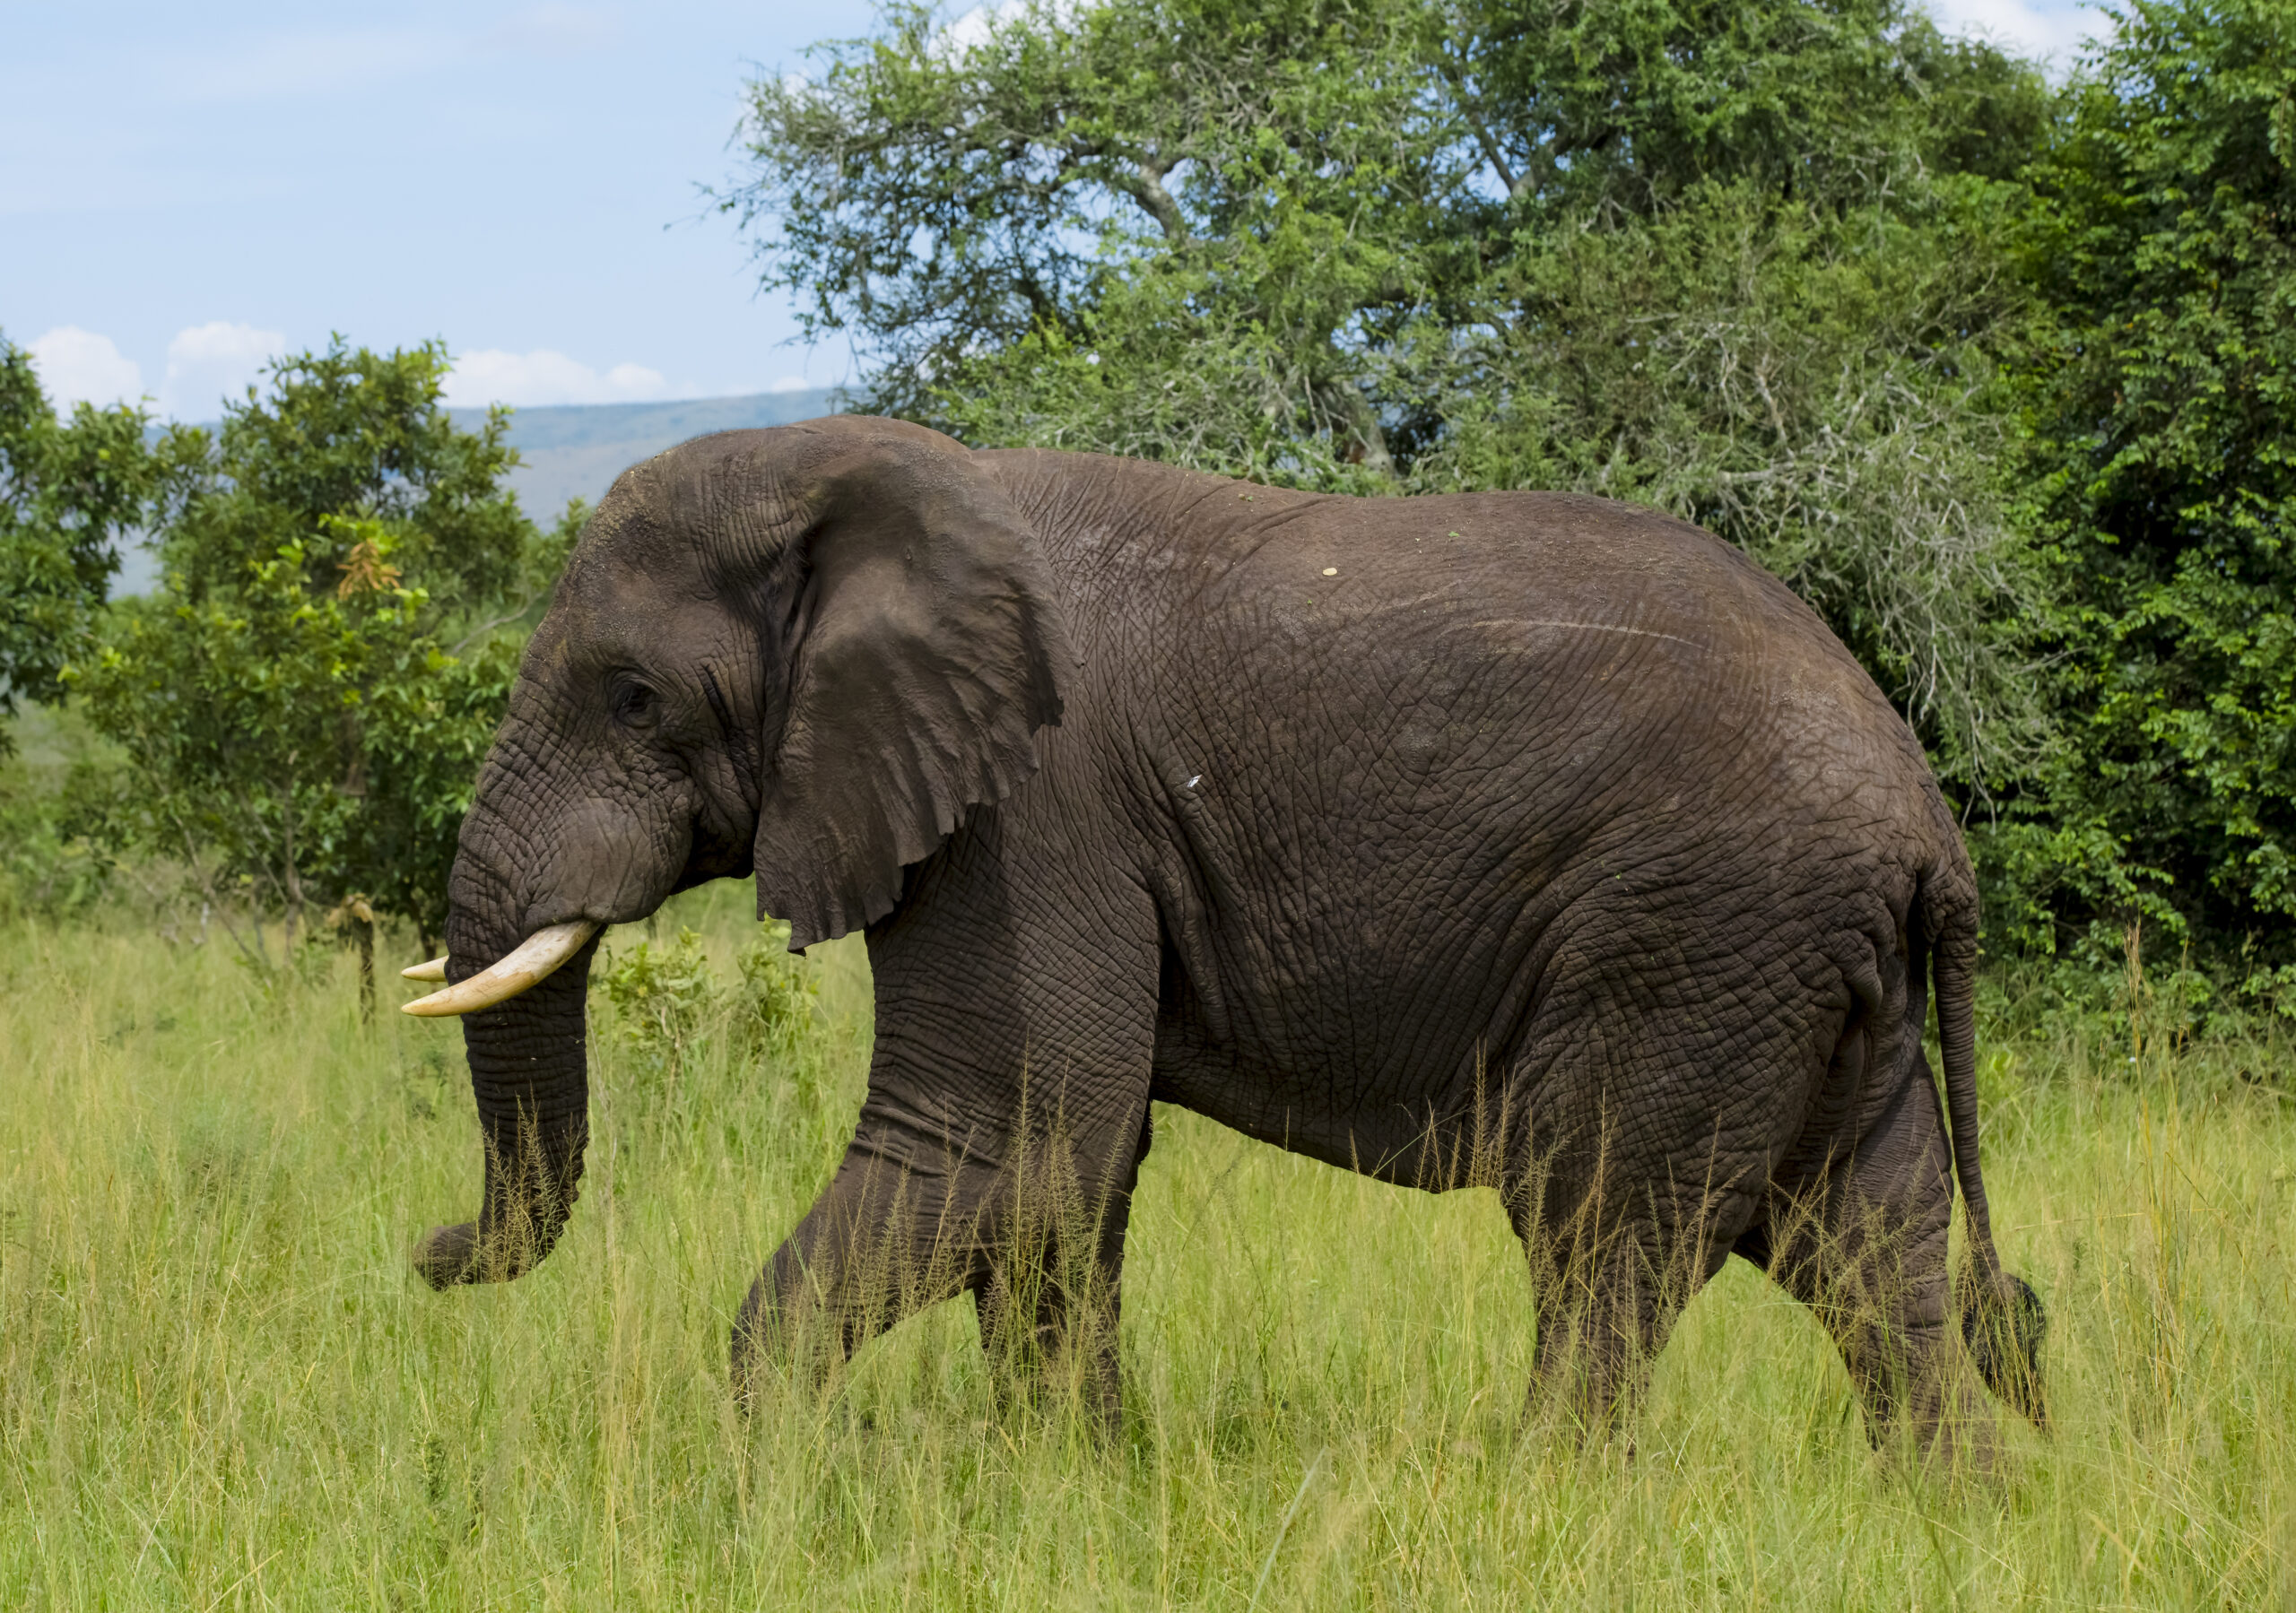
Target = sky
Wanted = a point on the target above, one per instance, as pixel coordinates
(186, 192)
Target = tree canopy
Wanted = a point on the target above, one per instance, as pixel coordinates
(72, 491)
(2160, 395)
(305, 702)
(1992, 372)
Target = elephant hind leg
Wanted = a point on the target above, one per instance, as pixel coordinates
(1865, 1248)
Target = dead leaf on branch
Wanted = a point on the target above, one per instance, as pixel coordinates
(365, 571)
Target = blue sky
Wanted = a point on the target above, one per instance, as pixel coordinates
(186, 191)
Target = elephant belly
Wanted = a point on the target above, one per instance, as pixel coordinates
(1387, 1141)
(1626, 1011)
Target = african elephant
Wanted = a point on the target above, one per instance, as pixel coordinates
(1530, 839)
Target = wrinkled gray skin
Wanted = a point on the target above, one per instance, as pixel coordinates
(1527, 839)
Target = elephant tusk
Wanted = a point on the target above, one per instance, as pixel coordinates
(436, 969)
(528, 965)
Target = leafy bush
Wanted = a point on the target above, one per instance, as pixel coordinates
(305, 703)
(1996, 376)
(666, 1001)
(51, 865)
(60, 790)
(2162, 393)
(775, 1004)
(72, 491)
(1745, 262)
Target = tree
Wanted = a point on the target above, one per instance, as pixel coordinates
(2161, 398)
(1818, 386)
(71, 493)
(306, 702)
(1746, 261)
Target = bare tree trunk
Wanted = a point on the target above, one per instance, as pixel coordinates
(213, 903)
(1367, 443)
(362, 931)
(353, 922)
(293, 881)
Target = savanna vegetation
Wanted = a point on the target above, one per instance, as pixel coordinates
(220, 1386)
(1992, 368)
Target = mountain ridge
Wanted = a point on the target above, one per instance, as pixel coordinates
(576, 450)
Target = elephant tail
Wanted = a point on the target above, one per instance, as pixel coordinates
(2002, 1319)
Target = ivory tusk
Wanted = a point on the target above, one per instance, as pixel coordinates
(530, 963)
(436, 969)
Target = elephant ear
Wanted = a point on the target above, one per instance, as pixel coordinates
(928, 650)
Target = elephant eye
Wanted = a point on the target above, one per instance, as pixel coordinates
(635, 706)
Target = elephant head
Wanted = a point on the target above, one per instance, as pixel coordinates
(805, 652)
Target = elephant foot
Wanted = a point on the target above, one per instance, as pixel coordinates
(778, 1339)
(1065, 1357)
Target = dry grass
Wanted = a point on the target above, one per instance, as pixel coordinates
(220, 1387)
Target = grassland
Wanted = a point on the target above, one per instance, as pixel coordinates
(220, 1386)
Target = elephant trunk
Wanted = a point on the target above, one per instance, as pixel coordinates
(529, 1070)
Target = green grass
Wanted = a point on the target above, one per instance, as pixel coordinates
(220, 1387)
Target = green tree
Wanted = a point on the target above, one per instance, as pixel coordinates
(1746, 262)
(72, 491)
(305, 703)
(2162, 403)
(1820, 388)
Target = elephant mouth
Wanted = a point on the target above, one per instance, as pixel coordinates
(528, 965)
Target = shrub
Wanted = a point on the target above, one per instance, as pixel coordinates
(665, 1002)
(775, 1004)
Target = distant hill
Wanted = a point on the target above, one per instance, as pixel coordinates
(575, 451)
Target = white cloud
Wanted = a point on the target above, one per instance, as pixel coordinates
(80, 366)
(543, 376)
(790, 384)
(979, 25)
(209, 363)
(2049, 31)
(972, 30)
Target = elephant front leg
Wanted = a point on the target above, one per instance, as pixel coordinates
(1040, 1240)
(1053, 1296)
(887, 1239)
(1015, 1028)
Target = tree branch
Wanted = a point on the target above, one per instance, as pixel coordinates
(1491, 151)
(1369, 441)
(1147, 187)
(484, 628)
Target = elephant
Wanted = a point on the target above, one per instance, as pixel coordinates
(1527, 840)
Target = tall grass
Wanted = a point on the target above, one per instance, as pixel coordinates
(220, 1387)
